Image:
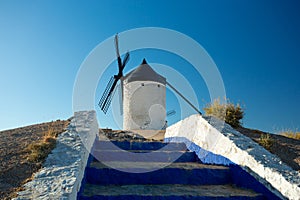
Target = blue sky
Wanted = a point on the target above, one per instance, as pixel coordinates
(255, 45)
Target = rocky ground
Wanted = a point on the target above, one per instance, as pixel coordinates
(15, 169)
(287, 149)
(121, 135)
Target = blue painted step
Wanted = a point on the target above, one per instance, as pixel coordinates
(126, 145)
(170, 197)
(145, 156)
(167, 192)
(176, 173)
(185, 178)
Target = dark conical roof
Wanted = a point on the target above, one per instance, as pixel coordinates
(144, 73)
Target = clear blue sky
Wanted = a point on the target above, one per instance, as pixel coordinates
(255, 44)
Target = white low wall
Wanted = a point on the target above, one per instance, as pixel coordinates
(63, 170)
(239, 149)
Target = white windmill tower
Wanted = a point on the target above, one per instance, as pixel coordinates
(144, 99)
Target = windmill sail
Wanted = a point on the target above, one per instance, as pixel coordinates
(125, 60)
(109, 91)
(106, 91)
(108, 101)
(108, 94)
(117, 50)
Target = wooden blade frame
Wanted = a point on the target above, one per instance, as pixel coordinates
(109, 91)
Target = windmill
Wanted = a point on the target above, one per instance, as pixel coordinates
(109, 91)
(142, 95)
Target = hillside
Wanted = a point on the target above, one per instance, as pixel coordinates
(287, 149)
(15, 169)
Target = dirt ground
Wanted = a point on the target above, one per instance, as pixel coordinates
(287, 149)
(15, 169)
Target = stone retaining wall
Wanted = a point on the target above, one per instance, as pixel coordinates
(63, 170)
(221, 144)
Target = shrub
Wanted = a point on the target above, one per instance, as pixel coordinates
(266, 141)
(232, 114)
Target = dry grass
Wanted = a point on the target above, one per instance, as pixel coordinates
(291, 134)
(38, 151)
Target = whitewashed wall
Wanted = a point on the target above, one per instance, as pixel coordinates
(239, 149)
(144, 105)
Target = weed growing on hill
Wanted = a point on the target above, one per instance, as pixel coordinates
(38, 151)
(266, 141)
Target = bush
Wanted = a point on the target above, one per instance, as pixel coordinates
(266, 141)
(230, 113)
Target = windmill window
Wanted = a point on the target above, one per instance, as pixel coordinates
(158, 85)
(142, 84)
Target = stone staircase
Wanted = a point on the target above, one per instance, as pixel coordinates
(156, 170)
